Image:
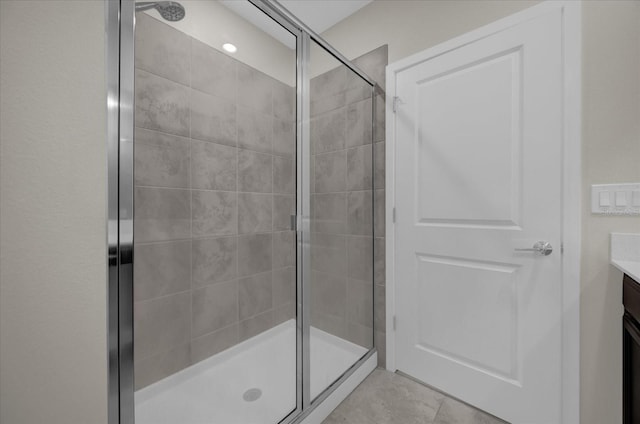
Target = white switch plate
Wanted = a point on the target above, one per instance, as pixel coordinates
(615, 199)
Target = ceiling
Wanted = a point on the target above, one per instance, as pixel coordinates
(319, 15)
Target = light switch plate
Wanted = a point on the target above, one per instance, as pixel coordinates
(615, 199)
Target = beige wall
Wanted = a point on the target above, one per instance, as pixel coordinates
(52, 214)
(410, 26)
(611, 146)
(611, 154)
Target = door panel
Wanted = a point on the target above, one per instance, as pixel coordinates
(341, 238)
(489, 170)
(215, 317)
(479, 140)
(483, 312)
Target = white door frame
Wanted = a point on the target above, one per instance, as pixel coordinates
(571, 184)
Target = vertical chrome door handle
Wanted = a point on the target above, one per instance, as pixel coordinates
(543, 248)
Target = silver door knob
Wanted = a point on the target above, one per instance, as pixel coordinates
(543, 248)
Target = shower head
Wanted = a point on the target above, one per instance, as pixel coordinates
(170, 10)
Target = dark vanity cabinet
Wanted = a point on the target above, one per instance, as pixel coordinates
(631, 351)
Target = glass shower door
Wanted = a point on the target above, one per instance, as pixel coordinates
(214, 293)
(341, 118)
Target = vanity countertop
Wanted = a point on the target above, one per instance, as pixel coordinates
(625, 254)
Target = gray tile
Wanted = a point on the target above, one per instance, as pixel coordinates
(162, 50)
(360, 257)
(358, 90)
(284, 249)
(255, 130)
(312, 177)
(284, 313)
(362, 335)
(319, 105)
(379, 165)
(214, 166)
(454, 412)
(379, 305)
(379, 261)
(161, 214)
(283, 207)
(379, 218)
(256, 325)
(161, 269)
(214, 260)
(255, 89)
(359, 123)
(254, 254)
(329, 294)
(284, 138)
(380, 340)
(332, 324)
(330, 172)
(330, 213)
(255, 295)
(161, 324)
(360, 303)
(161, 104)
(254, 213)
(360, 168)
(328, 131)
(214, 307)
(284, 286)
(255, 172)
(215, 213)
(389, 398)
(337, 417)
(329, 253)
(360, 211)
(213, 72)
(284, 101)
(213, 118)
(329, 83)
(208, 345)
(161, 365)
(374, 63)
(379, 124)
(161, 160)
(283, 175)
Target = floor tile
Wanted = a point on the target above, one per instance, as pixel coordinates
(389, 398)
(454, 412)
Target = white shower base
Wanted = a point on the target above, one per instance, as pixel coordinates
(211, 392)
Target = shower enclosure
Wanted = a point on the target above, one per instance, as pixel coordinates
(240, 216)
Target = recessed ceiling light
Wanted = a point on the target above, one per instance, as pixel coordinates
(230, 47)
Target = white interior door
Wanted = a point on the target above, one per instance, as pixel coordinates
(479, 175)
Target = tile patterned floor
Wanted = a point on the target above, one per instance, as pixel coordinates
(388, 398)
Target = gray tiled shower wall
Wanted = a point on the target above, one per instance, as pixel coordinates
(346, 185)
(214, 190)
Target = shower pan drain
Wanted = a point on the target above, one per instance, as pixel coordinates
(252, 395)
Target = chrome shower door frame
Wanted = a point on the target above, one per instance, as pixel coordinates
(120, 103)
(120, 22)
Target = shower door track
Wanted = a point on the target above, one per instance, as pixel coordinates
(120, 129)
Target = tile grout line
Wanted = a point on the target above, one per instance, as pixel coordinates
(237, 245)
(435, 417)
(191, 199)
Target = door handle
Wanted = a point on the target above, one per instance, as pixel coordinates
(542, 248)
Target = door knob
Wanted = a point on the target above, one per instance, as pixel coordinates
(543, 248)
